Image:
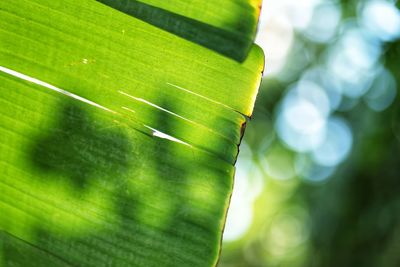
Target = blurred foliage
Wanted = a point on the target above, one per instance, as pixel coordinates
(350, 216)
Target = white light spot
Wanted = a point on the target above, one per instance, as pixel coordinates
(248, 186)
(302, 117)
(353, 61)
(319, 75)
(325, 20)
(382, 18)
(276, 38)
(337, 144)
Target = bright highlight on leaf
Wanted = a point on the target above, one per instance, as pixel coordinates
(117, 138)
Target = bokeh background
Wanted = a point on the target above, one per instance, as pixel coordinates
(318, 177)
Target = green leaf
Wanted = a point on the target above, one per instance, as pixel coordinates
(225, 26)
(16, 252)
(117, 138)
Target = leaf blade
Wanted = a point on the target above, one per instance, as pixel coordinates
(81, 178)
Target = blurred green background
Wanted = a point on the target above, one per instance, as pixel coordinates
(318, 177)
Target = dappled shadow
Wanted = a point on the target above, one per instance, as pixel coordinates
(79, 148)
(144, 212)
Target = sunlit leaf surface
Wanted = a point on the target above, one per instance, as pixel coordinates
(225, 26)
(117, 138)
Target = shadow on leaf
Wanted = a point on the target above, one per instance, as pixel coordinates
(80, 149)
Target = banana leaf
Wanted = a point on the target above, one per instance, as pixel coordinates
(227, 26)
(118, 138)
